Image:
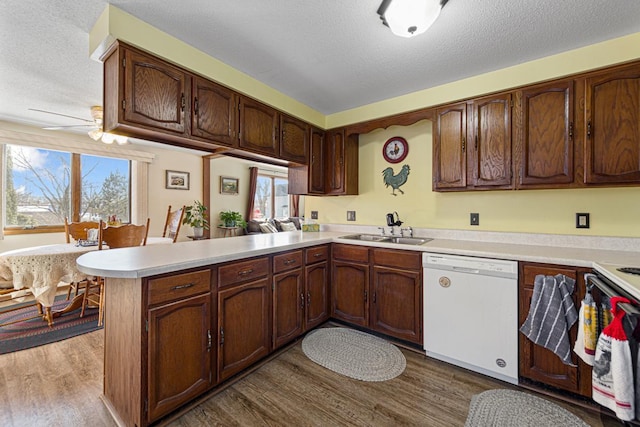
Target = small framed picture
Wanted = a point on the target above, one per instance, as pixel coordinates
(177, 180)
(228, 185)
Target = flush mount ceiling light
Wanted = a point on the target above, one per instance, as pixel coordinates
(408, 18)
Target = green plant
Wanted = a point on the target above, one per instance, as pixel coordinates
(232, 219)
(195, 215)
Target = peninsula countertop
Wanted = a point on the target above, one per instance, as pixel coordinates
(152, 260)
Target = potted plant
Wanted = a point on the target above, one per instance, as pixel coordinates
(195, 217)
(232, 219)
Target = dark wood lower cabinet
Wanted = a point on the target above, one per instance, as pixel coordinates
(349, 292)
(179, 353)
(288, 306)
(316, 280)
(396, 304)
(243, 322)
(536, 362)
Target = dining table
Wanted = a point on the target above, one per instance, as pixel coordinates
(40, 269)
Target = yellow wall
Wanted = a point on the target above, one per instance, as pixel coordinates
(614, 211)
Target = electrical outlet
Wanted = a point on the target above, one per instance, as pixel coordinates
(351, 215)
(475, 219)
(314, 214)
(582, 220)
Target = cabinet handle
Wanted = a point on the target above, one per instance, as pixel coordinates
(289, 261)
(245, 272)
(308, 299)
(317, 255)
(185, 286)
(366, 295)
(302, 300)
(589, 129)
(221, 336)
(464, 144)
(209, 340)
(195, 106)
(374, 297)
(182, 102)
(476, 142)
(571, 130)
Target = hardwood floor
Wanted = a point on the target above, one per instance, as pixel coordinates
(60, 385)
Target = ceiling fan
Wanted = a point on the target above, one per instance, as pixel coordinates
(95, 126)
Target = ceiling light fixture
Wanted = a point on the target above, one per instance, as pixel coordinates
(98, 134)
(408, 18)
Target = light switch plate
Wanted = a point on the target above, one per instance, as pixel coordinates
(351, 215)
(314, 214)
(582, 220)
(474, 219)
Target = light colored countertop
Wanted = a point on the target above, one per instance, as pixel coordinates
(158, 259)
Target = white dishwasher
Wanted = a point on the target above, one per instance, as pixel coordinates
(471, 313)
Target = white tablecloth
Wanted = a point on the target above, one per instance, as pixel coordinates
(42, 268)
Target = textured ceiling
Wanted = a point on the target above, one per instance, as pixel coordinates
(331, 55)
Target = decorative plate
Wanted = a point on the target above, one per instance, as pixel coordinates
(395, 149)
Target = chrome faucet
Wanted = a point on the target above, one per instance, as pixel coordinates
(409, 229)
(381, 230)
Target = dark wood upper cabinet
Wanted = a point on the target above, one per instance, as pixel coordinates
(490, 156)
(294, 139)
(156, 93)
(215, 111)
(612, 120)
(449, 148)
(342, 163)
(258, 127)
(545, 135)
(316, 162)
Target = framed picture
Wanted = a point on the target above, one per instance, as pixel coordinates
(177, 180)
(228, 185)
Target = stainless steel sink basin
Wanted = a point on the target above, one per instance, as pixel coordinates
(366, 237)
(388, 239)
(408, 240)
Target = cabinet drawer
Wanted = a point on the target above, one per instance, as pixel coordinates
(351, 253)
(178, 286)
(529, 272)
(316, 254)
(287, 261)
(398, 259)
(242, 271)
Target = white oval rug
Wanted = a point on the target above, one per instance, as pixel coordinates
(509, 408)
(354, 354)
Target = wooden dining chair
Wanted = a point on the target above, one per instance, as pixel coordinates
(77, 231)
(173, 223)
(122, 236)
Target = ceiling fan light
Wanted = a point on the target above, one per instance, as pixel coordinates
(121, 139)
(409, 18)
(95, 134)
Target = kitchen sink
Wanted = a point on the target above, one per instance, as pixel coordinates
(408, 240)
(366, 237)
(388, 239)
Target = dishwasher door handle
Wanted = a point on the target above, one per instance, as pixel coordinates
(466, 270)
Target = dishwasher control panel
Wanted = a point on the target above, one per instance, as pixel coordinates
(472, 265)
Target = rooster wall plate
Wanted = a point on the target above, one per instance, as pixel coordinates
(395, 149)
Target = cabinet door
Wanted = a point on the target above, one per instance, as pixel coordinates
(491, 154)
(396, 303)
(546, 135)
(536, 362)
(179, 354)
(335, 162)
(156, 93)
(214, 112)
(316, 162)
(350, 292)
(243, 321)
(288, 306)
(612, 143)
(294, 139)
(449, 148)
(317, 294)
(258, 127)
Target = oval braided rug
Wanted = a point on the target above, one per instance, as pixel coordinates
(354, 354)
(509, 408)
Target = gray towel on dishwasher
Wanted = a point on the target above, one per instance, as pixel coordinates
(551, 315)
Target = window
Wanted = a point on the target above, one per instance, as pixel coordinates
(44, 186)
(272, 198)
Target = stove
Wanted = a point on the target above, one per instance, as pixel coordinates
(629, 282)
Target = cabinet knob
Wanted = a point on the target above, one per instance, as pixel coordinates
(302, 300)
(464, 144)
(308, 299)
(221, 336)
(366, 296)
(589, 129)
